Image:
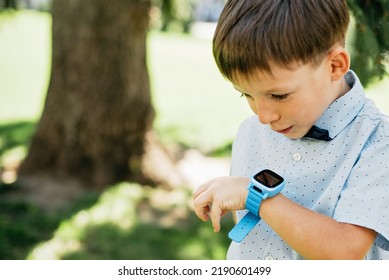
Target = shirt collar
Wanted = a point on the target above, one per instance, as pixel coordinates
(343, 110)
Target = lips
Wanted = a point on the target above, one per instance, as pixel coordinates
(285, 131)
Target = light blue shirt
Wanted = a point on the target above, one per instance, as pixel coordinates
(346, 178)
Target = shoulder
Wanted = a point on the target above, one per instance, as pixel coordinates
(247, 128)
(250, 122)
(371, 119)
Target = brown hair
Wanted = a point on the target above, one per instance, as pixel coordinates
(252, 33)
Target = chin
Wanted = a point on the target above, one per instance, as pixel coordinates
(294, 136)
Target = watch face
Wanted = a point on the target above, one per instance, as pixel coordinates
(268, 178)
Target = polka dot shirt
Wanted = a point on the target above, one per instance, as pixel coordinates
(346, 178)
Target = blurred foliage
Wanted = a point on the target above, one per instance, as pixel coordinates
(175, 14)
(42, 5)
(8, 4)
(370, 39)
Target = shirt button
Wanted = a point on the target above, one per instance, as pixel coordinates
(269, 258)
(297, 156)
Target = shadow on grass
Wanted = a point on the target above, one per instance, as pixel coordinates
(15, 134)
(152, 242)
(124, 222)
(23, 226)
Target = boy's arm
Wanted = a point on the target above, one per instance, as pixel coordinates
(312, 235)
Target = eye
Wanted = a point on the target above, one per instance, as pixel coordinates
(279, 97)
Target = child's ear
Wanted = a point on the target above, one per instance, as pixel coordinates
(339, 60)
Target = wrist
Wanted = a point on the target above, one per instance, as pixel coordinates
(244, 192)
(266, 205)
(254, 200)
(263, 185)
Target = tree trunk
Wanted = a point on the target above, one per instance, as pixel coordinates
(98, 107)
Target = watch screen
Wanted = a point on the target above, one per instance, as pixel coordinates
(268, 178)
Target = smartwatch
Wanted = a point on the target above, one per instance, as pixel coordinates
(263, 185)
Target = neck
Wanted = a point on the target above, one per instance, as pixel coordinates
(342, 87)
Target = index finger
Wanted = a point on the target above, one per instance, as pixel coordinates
(202, 188)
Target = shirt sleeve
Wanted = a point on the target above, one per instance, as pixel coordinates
(364, 200)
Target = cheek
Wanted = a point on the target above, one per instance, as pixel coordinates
(252, 106)
(308, 112)
(301, 111)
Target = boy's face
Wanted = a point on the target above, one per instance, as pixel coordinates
(290, 101)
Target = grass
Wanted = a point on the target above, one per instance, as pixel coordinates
(23, 226)
(128, 222)
(14, 135)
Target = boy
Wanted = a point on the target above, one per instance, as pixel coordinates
(313, 127)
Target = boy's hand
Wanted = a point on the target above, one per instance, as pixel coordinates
(219, 196)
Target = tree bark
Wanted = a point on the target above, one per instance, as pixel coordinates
(98, 107)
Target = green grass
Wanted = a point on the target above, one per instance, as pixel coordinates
(23, 226)
(14, 135)
(128, 223)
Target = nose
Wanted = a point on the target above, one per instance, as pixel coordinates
(266, 112)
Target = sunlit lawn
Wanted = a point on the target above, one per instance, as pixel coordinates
(133, 222)
(195, 107)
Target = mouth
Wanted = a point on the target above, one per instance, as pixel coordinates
(285, 131)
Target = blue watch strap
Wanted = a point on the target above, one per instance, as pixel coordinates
(245, 225)
(254, 200)
(264, 184)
